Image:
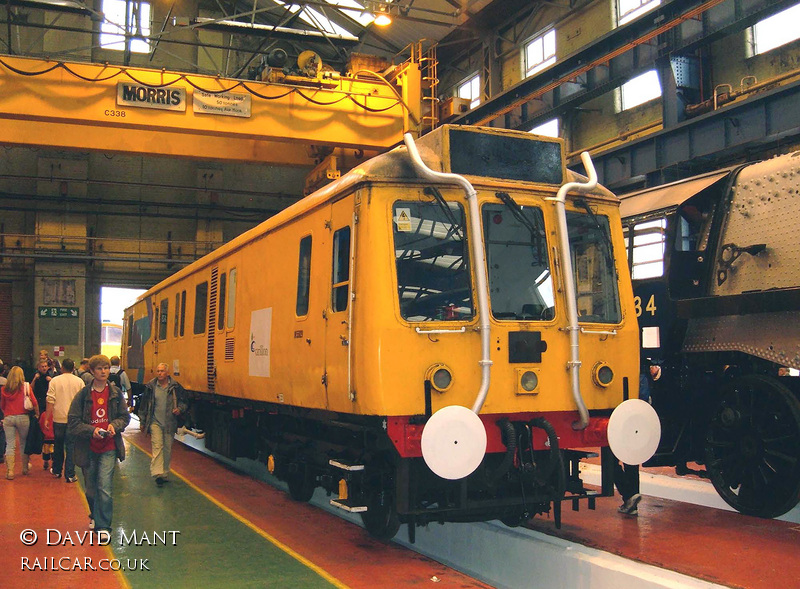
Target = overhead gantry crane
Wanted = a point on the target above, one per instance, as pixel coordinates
(83, 106)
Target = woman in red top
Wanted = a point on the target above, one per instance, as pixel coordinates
(16, 418)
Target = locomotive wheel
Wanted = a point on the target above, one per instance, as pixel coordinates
(753, 447)
(380, 519)
(301, 485)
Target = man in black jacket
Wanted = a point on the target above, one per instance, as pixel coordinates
(163, 402)
(97, 417)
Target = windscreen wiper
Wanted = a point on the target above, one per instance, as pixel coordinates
(448, 212)
(518, 213)
(608, 248)
(537, 233)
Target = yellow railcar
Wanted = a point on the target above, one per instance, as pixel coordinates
(110, 339)
(326, 340)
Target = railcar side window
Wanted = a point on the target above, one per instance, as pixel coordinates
(183, 311)
(200, 304)
(223, 284)
(162, 327)
(129, 330)
(176, 324)
(648, 249)
(593, 266)
(231, 298)
(341, 269)
(433, 280)
(303, 277)
(520, 282)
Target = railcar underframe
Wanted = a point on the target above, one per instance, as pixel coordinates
(312, 448)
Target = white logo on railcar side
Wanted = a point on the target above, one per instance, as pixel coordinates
(260, 334)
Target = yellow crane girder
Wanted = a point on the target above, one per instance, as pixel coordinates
(99, 107)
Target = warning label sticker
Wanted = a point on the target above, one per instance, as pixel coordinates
(403, 220)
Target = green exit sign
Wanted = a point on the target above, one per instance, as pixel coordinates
(59, 312)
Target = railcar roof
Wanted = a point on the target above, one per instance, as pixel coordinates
(394, 166)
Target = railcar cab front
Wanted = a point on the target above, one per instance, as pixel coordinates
(435, 276)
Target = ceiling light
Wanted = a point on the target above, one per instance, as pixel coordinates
(382, 18)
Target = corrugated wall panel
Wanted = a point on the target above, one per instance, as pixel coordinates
(6, 321)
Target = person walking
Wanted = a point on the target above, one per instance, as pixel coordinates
(163, 401)
(62, 391)
(84, 371)
(97, 417)
(2, 431)
(40, 383)
(119, 378)
(16, 417)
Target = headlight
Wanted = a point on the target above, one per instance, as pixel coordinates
(440, 376)
(529, 381)
(602, 375)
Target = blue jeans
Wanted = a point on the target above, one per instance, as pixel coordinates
(97, 480)
(64, 444)
(13, 425)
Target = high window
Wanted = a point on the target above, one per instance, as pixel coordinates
(317, 18)
(123, 17)
(471, 90)
(647, 250)
(628, 10)
(540, 52)
(548, 129)
(776, 30)
(639, 90)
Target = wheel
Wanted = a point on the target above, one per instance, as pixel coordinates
(753, 447)
(301, 485)
(380, 519)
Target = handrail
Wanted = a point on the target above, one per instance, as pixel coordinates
(462, 330)
(481, 278)
(573, 328)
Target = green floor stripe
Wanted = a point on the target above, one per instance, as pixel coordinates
(213, 548)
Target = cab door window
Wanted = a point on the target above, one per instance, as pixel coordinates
(341, 269)
(303, 277)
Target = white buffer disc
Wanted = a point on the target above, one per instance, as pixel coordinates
(453, 442)
(634, 431)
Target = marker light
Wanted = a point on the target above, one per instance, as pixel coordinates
(440, 376)
(602, 374)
